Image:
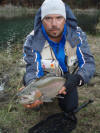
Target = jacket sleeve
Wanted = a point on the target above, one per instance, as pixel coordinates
(33, 62)
(85, 58)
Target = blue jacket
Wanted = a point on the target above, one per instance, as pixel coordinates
(73, 50)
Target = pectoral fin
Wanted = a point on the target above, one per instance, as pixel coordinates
(46, 99)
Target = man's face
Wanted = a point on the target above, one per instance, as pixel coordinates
(54, 25)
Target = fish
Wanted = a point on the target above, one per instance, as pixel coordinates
(44, 89)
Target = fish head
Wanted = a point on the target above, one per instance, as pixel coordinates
(30, 97)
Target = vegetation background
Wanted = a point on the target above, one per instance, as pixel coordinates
(36, 3)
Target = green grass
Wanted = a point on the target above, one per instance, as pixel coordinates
(15, 117)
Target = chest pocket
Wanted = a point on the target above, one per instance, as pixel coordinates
(71, 59)
(49, 62)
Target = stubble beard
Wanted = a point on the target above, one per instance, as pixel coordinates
(55, 35)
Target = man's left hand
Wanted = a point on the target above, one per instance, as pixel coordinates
(72, 81)
(63, 91)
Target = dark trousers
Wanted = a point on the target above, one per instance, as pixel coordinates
(70, 101)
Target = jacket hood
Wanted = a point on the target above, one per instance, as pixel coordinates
(70, 19)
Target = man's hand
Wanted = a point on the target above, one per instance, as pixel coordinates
(63, 91)
(36, 104)
(72, 81)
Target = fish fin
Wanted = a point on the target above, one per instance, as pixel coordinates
(46, 99)
(60, 97)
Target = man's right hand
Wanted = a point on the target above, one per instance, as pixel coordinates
(36, 104)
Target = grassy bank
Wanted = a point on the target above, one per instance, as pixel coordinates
(9, 11)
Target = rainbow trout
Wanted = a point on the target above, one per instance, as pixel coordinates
(43, 89)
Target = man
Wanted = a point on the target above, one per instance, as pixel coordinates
(58, 46)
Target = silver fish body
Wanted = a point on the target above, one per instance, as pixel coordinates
(44, 89)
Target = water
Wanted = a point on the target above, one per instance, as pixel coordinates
(14, 30)
(88, 22)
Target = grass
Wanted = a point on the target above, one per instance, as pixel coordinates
(89, 118)
(16, 119)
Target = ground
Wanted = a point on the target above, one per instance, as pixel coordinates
(14, 118)
(89, 118)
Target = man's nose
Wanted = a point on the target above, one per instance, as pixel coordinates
(54, 22)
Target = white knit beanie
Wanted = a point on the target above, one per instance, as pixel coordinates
(53, 7)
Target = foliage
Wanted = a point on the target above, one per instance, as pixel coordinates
(37, 3)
